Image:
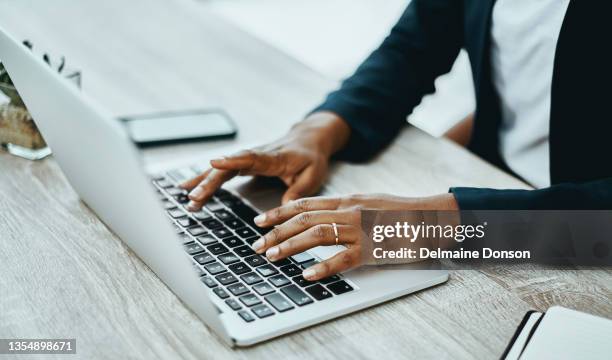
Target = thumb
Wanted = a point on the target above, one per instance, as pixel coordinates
(305, 184)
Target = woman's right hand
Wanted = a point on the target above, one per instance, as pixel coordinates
(300, 159)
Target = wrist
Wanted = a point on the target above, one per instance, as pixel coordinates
(328, 131)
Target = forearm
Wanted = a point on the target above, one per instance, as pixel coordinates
(594, 195)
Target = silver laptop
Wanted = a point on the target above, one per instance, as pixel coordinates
(204, 258)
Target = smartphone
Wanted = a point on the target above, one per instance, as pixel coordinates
(180, 126)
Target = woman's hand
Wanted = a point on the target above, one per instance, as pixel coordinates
(307, 223)
(300, 159)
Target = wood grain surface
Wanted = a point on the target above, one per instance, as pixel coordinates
(64, 274)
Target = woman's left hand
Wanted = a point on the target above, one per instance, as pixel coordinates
(306, 223)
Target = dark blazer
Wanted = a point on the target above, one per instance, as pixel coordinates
(424, 44)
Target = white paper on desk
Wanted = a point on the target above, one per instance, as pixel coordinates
(570, 334)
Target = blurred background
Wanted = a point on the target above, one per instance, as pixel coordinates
(334, 36)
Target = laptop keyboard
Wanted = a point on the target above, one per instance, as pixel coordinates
(219, 237)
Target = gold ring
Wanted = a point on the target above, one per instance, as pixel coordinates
(335, 232)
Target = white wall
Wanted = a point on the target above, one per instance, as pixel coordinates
(334, 36)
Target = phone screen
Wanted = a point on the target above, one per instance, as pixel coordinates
(178, 127)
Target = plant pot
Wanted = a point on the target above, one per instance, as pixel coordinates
(19, 135)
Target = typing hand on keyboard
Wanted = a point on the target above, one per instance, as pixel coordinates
(300, 159)
(310, 222)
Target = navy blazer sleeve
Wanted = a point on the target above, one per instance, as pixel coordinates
(594, 195)
(376, 100)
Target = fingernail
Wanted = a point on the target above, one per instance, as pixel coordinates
(196, 193)
(258, 244)
(309, 273)
(192, 206)
(260, 219)
(272, 253)
(218, 159)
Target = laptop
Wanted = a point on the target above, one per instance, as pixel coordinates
(205, 257)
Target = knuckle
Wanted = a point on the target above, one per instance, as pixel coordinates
(302, 205)
(325, 267)
(304, 219)
(320, 232)
(276, 213)
(274, 235)
(346, 259)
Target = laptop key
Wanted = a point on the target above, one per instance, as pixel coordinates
(251, 278)
(210, 282)
(202, 215)
(291, 270)
(233, 304)
(281, 262)
(330, 279)
(213, 206)
(250, 300)
(239, 268)
(206, 240)
(164, 184)
(228, 258)
(214, 268)
(193, 248)
(212, 224)
(217, 249)
(187, 222)
(222, 232)
(251, 240)
(226, 278)
(296, 295)
(279, 280)
(279, 302)
(181, 198)
(263, 289)
(221, 293)
(244, 251)
(267, 270)
(238, 289)
(197, 231)
(318, 292)
(176, 213)
(255, 260)
(262, 311)
(245, 232)
(340, 287)
(308, 264)
(232, 241)
(302, 257)
(246, 316)
(224, 215)
(204, 258)
(199, 270)
(301, 281)
(169, 205)
(234, 223)
(175, 192)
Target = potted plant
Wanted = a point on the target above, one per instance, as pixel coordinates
(18, 132)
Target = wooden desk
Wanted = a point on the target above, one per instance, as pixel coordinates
(65, 275)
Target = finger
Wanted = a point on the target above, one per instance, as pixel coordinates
(307, 183)
(301, 223)
(292, 208)
(207, 187)
(252, 162)
(342, 261)
(320, 235)
(191, 183)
